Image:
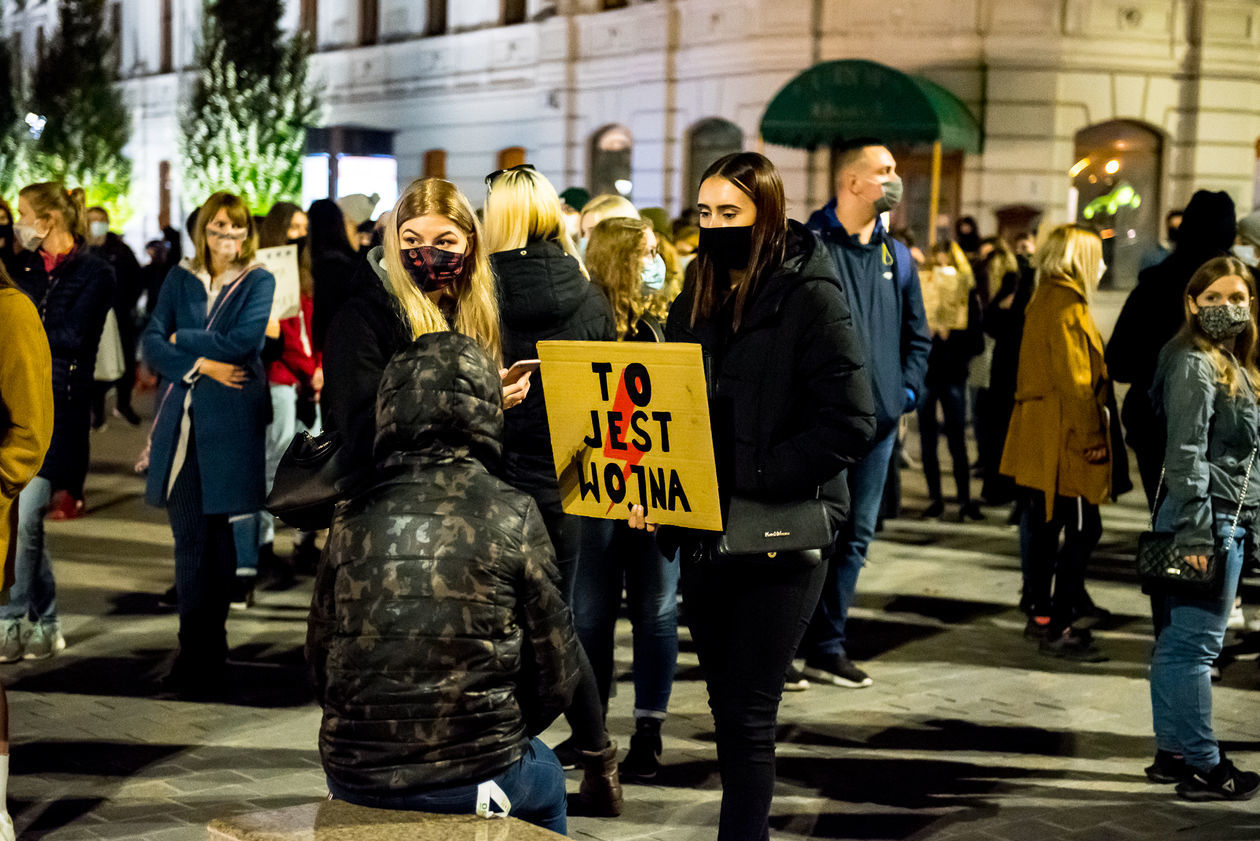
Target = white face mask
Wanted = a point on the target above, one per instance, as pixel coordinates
(98, 230)
(1246, 253)
(1102, 268)
(28, 237)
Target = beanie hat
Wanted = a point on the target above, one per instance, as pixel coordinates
(357, 207)
(1249, 228)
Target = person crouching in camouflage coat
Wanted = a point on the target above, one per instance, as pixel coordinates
(439, 643)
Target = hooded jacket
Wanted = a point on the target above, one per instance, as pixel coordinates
(1155, 311)
(438, 641)
(542, 295)
(887, 308)
(789, 396)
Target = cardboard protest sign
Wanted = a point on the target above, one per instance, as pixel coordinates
(945, 299)
(630, 425)
(282, 262)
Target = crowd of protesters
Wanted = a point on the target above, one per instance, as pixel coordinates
(451, 528)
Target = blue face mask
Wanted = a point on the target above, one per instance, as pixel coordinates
(654, 274)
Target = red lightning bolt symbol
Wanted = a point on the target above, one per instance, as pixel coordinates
(623, 406)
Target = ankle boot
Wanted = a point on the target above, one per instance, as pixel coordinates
(600, 792)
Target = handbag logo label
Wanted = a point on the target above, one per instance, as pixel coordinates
(1173, 571)
(778, 534)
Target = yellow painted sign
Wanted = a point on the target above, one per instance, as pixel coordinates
(630, 426)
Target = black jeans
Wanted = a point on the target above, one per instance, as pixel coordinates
(586, 712)
(953, 402)
(746, 621)
(1081, 526)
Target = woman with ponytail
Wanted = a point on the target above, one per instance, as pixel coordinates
(73, 290)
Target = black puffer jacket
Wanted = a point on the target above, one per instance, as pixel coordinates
(365, 330)
(438, 640)
(73, 300)
(542, 295)
(790, 399)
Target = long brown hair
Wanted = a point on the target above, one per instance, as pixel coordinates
(1244, 349)
(238, 213)
(477, 310)
(51, 197)
(614, 257)
(274, 229)
(756, 177)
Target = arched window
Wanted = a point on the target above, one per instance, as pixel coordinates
(434, 164)
(1117, 177)
(611, 148)
(709, 140)
(511, 156)
(513, 12)
(435, 21)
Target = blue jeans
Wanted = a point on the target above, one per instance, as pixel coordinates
(866, 491)
(34, 591)
(612, 554)
(534, 784)
(1181, 681)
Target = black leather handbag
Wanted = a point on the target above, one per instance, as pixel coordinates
(310, 479)
(1162, 566)
(775, 532)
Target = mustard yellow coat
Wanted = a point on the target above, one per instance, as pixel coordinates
(1060, 400)
(26, 410)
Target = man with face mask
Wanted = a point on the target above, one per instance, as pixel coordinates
(129, 284)
(882, 284)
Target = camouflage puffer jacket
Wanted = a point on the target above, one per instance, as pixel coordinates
(438, 640)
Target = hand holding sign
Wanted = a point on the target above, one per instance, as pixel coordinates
(630, 429)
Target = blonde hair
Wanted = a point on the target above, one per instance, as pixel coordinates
(239, 215)
(658, 304)
(477, 309)
(1244, 344)
(608, 206)
(521, 207)
(1000, 263)
(51, 197)
(615, 260)
(1070, 253)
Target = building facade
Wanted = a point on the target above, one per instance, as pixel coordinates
(1076, 98)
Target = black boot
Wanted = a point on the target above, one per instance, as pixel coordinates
(643, 760)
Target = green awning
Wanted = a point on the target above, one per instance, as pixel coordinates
(840, 100)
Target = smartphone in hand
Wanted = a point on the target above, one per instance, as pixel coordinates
(519, 369)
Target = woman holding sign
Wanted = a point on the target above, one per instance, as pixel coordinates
(791, 408)
(206, 450)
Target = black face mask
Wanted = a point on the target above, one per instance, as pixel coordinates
(729, 248)
(300, 242)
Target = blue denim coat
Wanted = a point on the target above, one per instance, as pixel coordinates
(228, 423)
(1211, 436)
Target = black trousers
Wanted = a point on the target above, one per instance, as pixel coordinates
(205, 565)
(1080, 525)
(746, 622)
(952, 398)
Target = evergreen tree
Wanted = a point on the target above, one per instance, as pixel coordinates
(9, 124)
(246, 127)
(86, 122)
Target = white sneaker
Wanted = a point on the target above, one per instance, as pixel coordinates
(1237, 622)
(12, 642)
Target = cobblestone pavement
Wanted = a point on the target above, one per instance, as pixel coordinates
(967, 732)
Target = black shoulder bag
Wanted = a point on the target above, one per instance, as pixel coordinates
(794, 532)
(1162, 566)
(310, 479)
